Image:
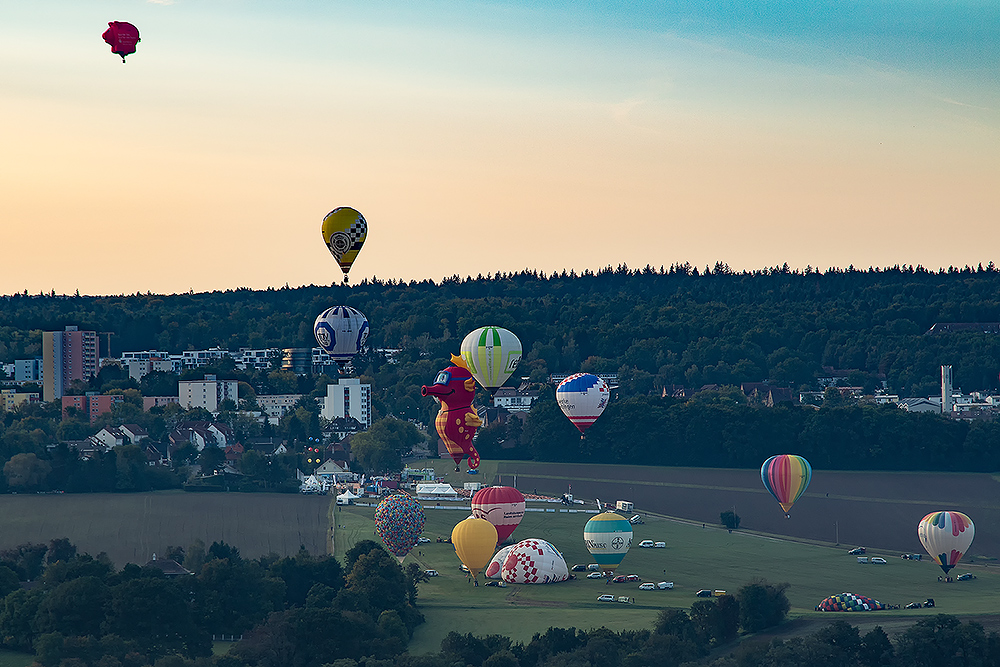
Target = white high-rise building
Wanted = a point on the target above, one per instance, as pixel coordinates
(348, 398)
(207, 393)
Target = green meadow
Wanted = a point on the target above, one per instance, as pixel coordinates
(695, 558)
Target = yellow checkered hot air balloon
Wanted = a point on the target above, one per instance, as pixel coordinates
(344, 232)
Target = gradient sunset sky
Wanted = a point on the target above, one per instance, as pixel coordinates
(482, 137)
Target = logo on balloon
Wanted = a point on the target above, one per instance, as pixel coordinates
(617, 543)
(324, 335)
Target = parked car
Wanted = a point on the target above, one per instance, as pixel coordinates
(431, 573)
(463, 567)
(605, 598)
(423, 540)
(646, 544)
(911, 556)
(704, 593)
(624, 599)
(636, 520)
(648, 586)
(594, 567)
(579, 567)
(878, 560)
(632, 577)
(595, 575)
(494, 582)
(718, 593)
(660, 545)
(966, 576)
(620, 579)
(914, 605)
(664, 585)
(862, 559)
(856, 551)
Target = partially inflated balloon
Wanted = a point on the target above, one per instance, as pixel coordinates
(122, 36)
(534, 561)
(492, 354)
(503, 506)
(399, 520)
(474, 540)
(947, 536)
(496, 563)
(608, 537)
(786, 477)
(344, 232)
(341, 331)
(582, 398)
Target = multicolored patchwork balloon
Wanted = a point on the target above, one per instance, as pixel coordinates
(786, 477)
(399, 520)
(849, 602)
(608, 537)
(947, 537)
(492, 354)
(503, 506)
(582, 398)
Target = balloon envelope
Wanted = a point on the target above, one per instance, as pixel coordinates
(947, 536)
(503, 506)
(122, 36)
(341, 331)
(608, 537)
(344, 232)
(849, 602)
(582, 398)
(492, 354)
(399, 520)
(474, 540)
(786, 477)
(534, 561)
(496, 563)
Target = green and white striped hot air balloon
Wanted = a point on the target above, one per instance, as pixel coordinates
(608, 537)
(492, 354)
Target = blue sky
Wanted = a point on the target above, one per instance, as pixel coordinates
(483, 137)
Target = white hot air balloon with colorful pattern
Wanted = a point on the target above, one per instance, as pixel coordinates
(492, 354)
(582, 398)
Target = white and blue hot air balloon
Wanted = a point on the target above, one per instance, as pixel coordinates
(341, 331)
(582, 398)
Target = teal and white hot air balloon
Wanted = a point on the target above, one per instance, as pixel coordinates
(492, 354)
(608, 537)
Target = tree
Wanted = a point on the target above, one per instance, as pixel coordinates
(762, 605)
(211, 459)
(380, 448)
(26, 472)
(730, 519)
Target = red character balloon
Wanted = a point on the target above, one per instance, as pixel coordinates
(122, 36)
(457, 420)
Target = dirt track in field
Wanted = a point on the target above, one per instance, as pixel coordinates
(874, 509)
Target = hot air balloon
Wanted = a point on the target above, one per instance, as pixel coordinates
(582, 398)
(474, 541)
(786, 477)
(122, 36)
(608, 537)
(534, 561)
(947, 536)
(496, 563)
(341, 331)
(492, 354)
(457, 419)
(503, 506)
(344, 232)
(399, 520)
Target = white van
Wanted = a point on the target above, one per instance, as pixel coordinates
(664, 585)
(646, 544)
(862, 559)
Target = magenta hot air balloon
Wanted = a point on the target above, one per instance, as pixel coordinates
(503, 506)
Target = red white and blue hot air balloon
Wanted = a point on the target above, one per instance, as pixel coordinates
(582, 398)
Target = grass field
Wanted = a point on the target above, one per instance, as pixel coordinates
(695, 558)
(15, 659)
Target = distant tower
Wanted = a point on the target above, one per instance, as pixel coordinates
(946, 398)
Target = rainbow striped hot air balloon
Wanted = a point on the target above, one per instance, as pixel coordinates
(608, 537)
(582, 398)
(786, 477)
(947, 537)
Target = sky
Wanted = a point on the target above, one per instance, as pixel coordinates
(484, 137)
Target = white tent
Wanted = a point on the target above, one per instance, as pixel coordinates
(346, 497)
(436, 491)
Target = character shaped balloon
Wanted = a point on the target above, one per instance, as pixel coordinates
(947, 536)
(492, 355)
(344, 232)
(122, 36)
(786, 477)
(341, 331)
(399, 520)
(582, 398)
(457, 419)
(503, 506)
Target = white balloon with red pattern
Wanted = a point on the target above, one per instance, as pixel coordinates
(493, 569)
(534, 561)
